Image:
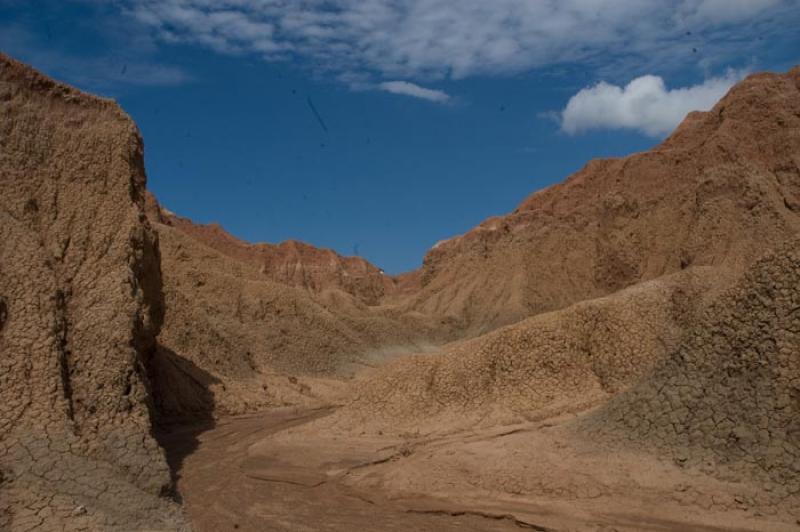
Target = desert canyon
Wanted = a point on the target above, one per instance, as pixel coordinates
(620, 353)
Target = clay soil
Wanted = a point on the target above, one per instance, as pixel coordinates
(281, 470)
(619, 353)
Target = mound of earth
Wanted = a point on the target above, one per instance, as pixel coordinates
(720, 191)
(246, 340)
(728, 399)
(708, 197)
(80, 305)
(555, 362)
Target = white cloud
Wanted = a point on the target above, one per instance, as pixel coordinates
(411, 89)
(644, 104)
(435, 39)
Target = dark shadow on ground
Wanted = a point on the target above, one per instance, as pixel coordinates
(184, 407)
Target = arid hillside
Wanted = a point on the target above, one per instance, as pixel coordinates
(80, 307)
(244, 336)
(292, 263)
(555, 362)
(689, 215)
(620, 351)
(724, 187)
(727, 400)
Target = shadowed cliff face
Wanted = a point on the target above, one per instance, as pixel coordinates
(81, 305)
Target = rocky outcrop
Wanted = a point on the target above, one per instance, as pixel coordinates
(292, 263)
(727, 400)
(662, 232)
(103, 329)
(718, 192)
(561, 361)
(241, 334)
(81, 304)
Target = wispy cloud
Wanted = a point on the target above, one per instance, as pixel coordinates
(436, 39)
(411, 89)
(644, 104)
(372, 44)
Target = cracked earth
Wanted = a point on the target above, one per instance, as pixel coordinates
(283, 470)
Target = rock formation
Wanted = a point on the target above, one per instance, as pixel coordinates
(107, 330)
(291, 263)
(80, 305)
(728, 399)
(242, 332)
(720, 190)
(556, 362)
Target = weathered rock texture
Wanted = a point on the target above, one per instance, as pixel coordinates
(80, 305)
(291, 263)
(721, 190)
(681, 223)
(240, 334)
(95, 344)
(728, 399)
(555, 362)
(718, 192)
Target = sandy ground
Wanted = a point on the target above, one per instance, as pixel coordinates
(225, 486)
(286, 469)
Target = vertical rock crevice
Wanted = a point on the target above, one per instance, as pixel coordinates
(80, 267)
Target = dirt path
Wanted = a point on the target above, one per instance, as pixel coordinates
(222, 488)
(282, 470)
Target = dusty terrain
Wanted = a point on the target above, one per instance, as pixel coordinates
(622, 352)
(81, 300)
(274, 471)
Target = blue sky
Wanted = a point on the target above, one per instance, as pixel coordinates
(378, 127)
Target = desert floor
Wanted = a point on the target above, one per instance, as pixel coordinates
(284, 469)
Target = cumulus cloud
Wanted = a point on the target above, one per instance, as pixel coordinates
(645, 104)
(411, 89)
(436, 39)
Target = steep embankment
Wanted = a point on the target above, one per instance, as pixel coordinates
(718, 192)
(690, 216)
(728, 399)
(555, 362)
(292, 263)
(80, 305)
(243, 337)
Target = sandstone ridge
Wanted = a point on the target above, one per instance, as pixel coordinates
(81, 306)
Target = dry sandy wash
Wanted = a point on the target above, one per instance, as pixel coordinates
(622, 352)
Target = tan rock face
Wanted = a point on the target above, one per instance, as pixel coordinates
(102, 329)
(239, 334)
(556, 362)
(722, 189)
(728, 399)
(292, 262)
(80, 305)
